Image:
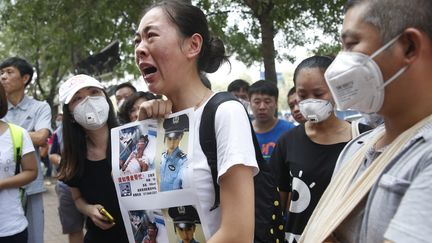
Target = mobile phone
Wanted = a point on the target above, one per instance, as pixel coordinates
(107, 215)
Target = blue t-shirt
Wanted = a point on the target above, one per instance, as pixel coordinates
(267, 141)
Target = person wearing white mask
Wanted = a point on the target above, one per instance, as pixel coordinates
(88, 116)
(305, 156)
(382, 187)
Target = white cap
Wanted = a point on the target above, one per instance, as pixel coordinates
(72, 85)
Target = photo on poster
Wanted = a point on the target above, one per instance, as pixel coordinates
(148, 226)
(137, 149)
(173, 152)
(183, 224)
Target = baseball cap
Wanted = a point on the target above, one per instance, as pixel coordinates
(75, 83)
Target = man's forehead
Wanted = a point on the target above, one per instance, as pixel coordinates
(353, 18)
(125, 89)
(292, 98)
(261, 95)
(8, 68)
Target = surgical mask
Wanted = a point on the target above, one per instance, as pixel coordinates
(92, 112)
(356, 81)
(58, 123)
(316, 110)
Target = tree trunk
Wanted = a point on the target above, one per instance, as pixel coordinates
(268, 48)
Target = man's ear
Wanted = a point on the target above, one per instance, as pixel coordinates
(194, 45)
(26, 78)
(412, 41)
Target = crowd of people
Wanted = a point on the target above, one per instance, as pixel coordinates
(367, 180)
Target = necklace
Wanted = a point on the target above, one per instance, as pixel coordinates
(202, 100)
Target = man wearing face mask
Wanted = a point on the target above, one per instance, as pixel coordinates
(305, 157)
(382, 187)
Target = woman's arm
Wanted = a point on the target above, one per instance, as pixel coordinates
(237, 206)
(90, 210)
(27, 175)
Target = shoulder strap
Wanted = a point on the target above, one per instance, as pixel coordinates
(208, 138)
(17, 140)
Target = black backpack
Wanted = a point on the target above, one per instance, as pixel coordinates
(269, 226)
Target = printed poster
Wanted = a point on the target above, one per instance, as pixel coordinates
(149, 162)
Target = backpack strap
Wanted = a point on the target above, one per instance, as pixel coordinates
(17, 140)
(208, 138)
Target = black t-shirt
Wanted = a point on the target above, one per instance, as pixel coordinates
(97, 187)
(305, 169)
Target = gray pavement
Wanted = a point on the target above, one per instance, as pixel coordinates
(53, 231)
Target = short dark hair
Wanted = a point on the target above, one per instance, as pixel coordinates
(321, 62)
(391, 17)
(3, 102)
(238, 85)
(125, 109)
(291, 91)
(264, 87)
(21, 64)
(190, 20)
(125, 85)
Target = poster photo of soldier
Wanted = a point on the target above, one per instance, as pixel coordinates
(173, 157)
(137, 150)
(183, 225)
(148, 226)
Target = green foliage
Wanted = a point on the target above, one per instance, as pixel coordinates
(55, 35)
(291, 18)
(327, 49)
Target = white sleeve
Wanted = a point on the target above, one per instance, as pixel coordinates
(233, 137)
(27, 143)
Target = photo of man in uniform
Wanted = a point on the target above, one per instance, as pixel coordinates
(173, 158)
(185, 219)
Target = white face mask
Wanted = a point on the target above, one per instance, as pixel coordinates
(316, 110)
(356, 81)
(92, 112)
(58, 123)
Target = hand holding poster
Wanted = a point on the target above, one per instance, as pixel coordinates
(150, 160)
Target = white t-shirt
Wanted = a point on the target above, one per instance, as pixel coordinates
(12, 216)
(234, 146)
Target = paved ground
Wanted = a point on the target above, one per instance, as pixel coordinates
(53, 232)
